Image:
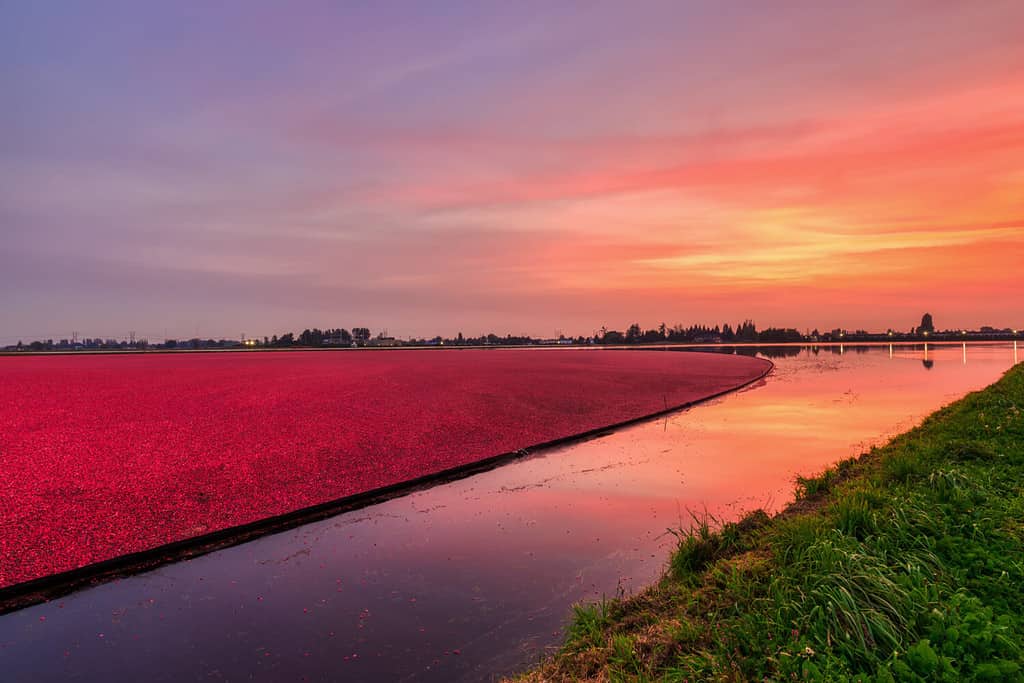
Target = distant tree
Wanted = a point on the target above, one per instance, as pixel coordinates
(361, 334)
(336, 336)
(926, 324)
(314, 337)
(775, 335)
(612, 337)
(653, 336)
(633, 333)
(746, 331)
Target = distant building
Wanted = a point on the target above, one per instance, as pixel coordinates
(384, 341)
(337, 340)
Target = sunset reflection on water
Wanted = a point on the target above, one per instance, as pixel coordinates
(477, 576)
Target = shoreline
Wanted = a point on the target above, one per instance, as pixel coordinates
(656, 346)
(864, 576)
(24, 594)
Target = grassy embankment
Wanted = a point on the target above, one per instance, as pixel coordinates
(906, 564)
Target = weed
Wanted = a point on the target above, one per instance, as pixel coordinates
(808, 487)
(588, 625)
(623, 656)
(791, 536)
(854, 515)
(902, 467)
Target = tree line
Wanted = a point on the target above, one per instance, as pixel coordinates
(745, 332)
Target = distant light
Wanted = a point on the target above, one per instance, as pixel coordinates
(890, 333)
(926, 333)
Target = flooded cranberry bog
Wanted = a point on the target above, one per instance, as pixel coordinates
(474, 578)
(108, 456)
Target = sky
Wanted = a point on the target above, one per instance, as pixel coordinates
(212, 169)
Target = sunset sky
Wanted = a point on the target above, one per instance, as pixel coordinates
(216, 168)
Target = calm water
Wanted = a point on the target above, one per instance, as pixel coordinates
(473, 579)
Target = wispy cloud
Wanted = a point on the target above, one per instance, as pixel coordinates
(515, 167)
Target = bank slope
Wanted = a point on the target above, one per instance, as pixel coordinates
(904, 565)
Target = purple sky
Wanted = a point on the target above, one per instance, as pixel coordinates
(218, 168)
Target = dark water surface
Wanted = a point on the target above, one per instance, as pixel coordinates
(473, 579)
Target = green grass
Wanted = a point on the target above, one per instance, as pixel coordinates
(904, 565)
(707, 540)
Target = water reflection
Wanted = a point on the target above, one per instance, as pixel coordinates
(780, 351)
(476, 577)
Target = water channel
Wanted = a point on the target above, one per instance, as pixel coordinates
(475, 579)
